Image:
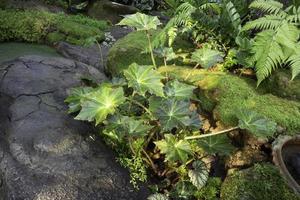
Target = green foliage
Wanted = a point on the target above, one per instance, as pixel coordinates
(100, 103)
(38, 26)
(175, 150)
(256, 124)
(179, 90)
(276, 44)
(140, 22)
(207, 58)
(144, 79)
(211, 190)
(219, 144)
(199, 174)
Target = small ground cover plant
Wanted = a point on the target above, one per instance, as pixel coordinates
(153, 123)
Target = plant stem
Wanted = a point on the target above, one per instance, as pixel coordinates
(101, 54)
(141, 105)
(165, 62)
(189, 74)
(151, 49)
(150, 160)
(131, 147)
(211, 134)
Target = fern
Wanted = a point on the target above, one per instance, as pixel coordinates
(276, 43)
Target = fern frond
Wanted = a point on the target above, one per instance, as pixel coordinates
(268, 6)
(234, 16)
(295, 16)
(214, 7)
(294, 63)
(264, 23)
(267, 53)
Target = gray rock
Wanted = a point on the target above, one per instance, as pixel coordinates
(44, 153)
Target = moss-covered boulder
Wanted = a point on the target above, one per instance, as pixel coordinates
(130, 49)
(110, 11)
(280, 84)
(261, 182)
(40, 27)
(223, 94)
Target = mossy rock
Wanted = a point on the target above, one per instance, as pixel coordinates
(280, 84)
(260, 182)
(39, 27)
(223, 94)
(55, 37)
(130, 48)
(110, 11)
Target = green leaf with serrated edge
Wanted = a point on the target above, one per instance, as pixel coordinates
(172, 113)
(165, 52)
(183, 190)
(193, 121)
(175, 150)
(220, 144)
(75, 98)
(140, 22)
(157, 196)
(100, 103)
(144, 79)
(199, 175)
(179, 90)
(207, 58)
(135, 127)
(256, 124)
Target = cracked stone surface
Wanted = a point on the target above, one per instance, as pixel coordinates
(44, 153)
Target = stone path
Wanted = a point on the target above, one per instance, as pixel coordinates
(44, 153)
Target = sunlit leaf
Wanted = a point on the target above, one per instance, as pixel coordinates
(199, 175)
(100, 103)
(220, 144)
(140, 22)
(207, 58)
(256, 124)
(179, 90)
(75, 98)
(144, 79)
(175, 150)
(157, 196)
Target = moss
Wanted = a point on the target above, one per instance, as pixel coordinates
(280, 84)
(35, 26)
(55, 37)
(224, 93)
(261, 182)
(211, 190)
(129, 49)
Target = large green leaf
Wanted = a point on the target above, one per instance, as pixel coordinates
(199, 175)
(207, 58)
(179, 90)
(76, 96)
(157, 196)
(101, 103)
(220, 144)
(173, 113)
(175, 150)
(140, 22)
(134, 127)
(256, 124)
(144, 79)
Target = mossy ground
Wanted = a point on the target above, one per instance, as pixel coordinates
(130, 49)
(40, 27)
(223, 94)
(261, 182)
